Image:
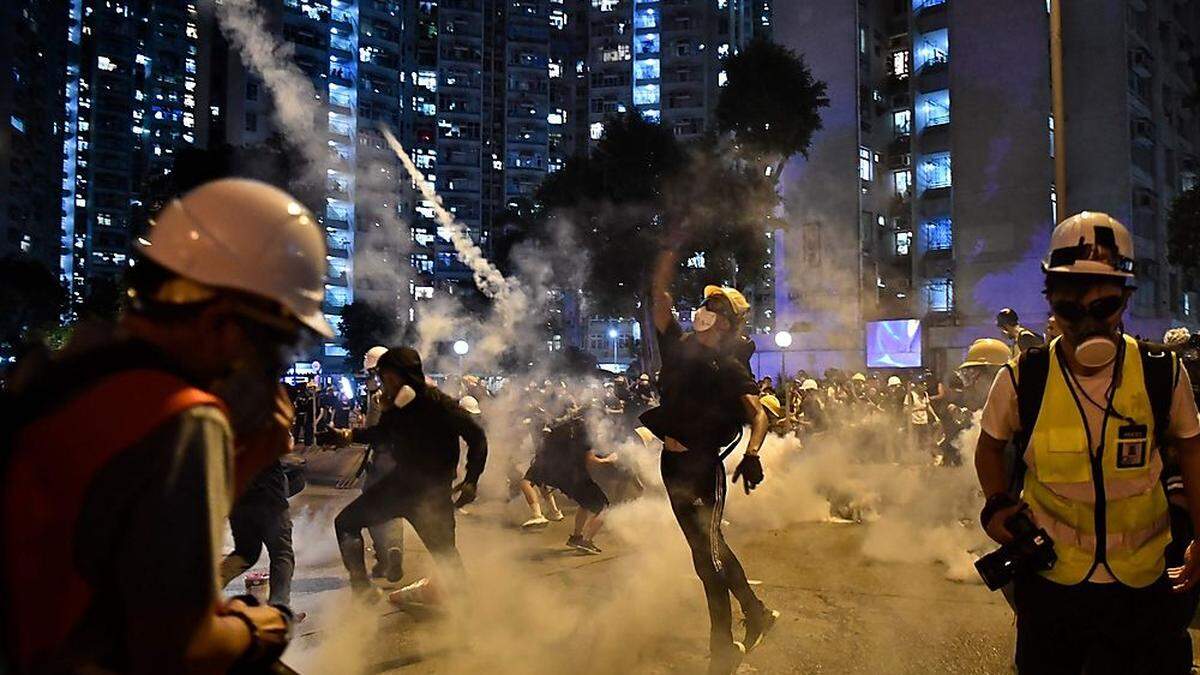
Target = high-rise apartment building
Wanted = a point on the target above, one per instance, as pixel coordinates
(130, 104)
(32, 73)
(355, 55)
(930, 194)
(662, 58)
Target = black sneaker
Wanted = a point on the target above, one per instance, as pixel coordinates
(726, 659)
(394, 570)
(588, 547)
(758, 624)
(574, 541)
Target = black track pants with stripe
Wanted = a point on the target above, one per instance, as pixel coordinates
(695, 482)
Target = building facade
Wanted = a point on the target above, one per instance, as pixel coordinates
(930, 193)
(129, 106)
(32, 77)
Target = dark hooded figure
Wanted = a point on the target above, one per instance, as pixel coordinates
(420, 428)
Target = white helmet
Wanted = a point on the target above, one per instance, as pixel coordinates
(808, 385)
(470, 404)
(1090, 243)
(371, 358)
(894, 381)
(248, 236)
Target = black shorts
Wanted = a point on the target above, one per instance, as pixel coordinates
(585, 492)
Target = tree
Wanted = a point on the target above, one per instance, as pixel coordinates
(1183, 232)
(363, 327)
(32, 300)
(770, 104)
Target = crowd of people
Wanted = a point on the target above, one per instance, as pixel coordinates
(133, 446)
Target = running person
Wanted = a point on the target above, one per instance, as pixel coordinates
(707, 395)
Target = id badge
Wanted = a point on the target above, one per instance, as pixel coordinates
(1132, 446)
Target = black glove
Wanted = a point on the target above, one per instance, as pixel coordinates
(466, 494)
(750, 470)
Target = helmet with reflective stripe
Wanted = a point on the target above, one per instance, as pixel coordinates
(371, 358)
(1090, 243)
(247, 236)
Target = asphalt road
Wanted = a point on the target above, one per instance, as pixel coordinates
(537, 607)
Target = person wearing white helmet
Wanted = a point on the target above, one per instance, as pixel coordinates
(1091, 415)
(133, 445)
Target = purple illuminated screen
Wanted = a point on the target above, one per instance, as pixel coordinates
(894, 344)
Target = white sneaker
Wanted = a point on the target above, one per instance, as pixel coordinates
(534, 522)
(555, 515)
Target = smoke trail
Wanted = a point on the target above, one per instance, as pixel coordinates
(244, 23)
(489, 279)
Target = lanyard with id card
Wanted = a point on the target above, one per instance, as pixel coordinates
(1132, 446)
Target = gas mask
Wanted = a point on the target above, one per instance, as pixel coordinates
(405, 396)
(704, 319)
(372, 384)
(1088, 329)
(251, 385)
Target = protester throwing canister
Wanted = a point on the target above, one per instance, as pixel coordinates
(707, 395)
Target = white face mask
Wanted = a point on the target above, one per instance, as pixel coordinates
(703, 320)
(1096, 352)
(404, 396)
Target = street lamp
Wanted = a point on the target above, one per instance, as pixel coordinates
(612, 335)
(783, 340)
(461, 348)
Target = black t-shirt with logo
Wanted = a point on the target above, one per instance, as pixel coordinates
(701, 390)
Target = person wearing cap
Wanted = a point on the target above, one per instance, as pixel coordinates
(1021, 337)
(1091, 415)
(420, 428)
(129, 446)
(707, 395)
(387, 537)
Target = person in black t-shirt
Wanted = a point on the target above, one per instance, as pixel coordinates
(707, 394)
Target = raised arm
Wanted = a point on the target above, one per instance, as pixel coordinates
(660, 295)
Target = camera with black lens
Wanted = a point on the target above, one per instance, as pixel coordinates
(1031, 550)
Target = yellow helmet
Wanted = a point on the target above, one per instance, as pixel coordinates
(772, 404)
(987, 352)
(734, 296)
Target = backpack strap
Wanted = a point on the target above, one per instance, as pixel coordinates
(1160, 370)
(1028, 372)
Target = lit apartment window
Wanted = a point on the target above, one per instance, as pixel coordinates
(866, 167)
(902, 181)
(933, 109)
(646, 94)
(903, 242)
(932, 49)
(596, 130)
(902, 122)
(939, 294)
(939, 234)
(1053, 204)
(935, 171)
(1052, 135)
(900, 63)
(919, 5)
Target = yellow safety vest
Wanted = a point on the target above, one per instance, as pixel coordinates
(1066, 479)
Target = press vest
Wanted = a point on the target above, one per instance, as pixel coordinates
(54, 461)
(1099, 499)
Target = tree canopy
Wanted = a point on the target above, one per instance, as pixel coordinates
(363, 327)
(771, 103)
(1183, 232)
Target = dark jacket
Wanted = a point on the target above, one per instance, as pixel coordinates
(423, 439)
